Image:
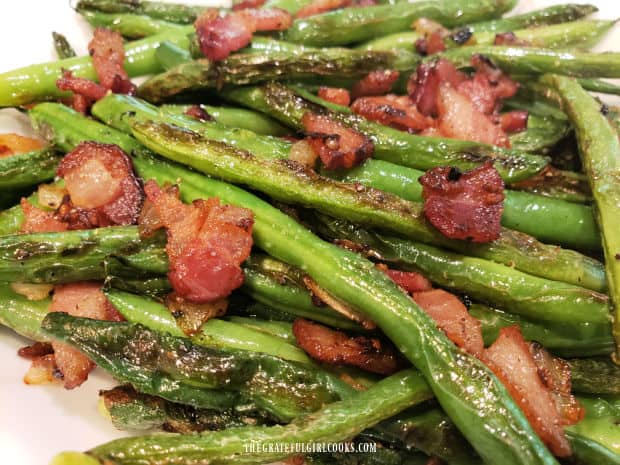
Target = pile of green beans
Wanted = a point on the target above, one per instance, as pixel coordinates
(322, 239)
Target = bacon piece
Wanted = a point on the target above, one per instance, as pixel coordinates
(514, 121)
(391, 110)
(38, 349)
(219, 36)
(465, 206)
(43, 370)
(12, 144)
(336, 145)
(102, 187)
(460, 119)
(430, 45)
(207, 242)
(488, 86)
(452, 317)
(336, 348)
(321, 6)
(423, 85)
(199, 113)
(37, 220)
(83, 299)
(377, 82)
(410, 281)
(555, 374)
(248, 4)
(509, 358)
(108, 53)
(335, 95)
(509, 38)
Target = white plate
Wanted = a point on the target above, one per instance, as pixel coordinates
(36, 422)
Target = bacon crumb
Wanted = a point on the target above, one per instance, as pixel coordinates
(464, 206)
(103, 189)
(106, 49)
(452, 317)
(377, 82)
(207, 242)
(514, 121)
(509, 38)
(337, 348)
(336, 145)
(509, 358)
(335, 95)
(219, 36)
(395, 111)
(199, 113)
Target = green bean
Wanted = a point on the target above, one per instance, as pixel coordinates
(350, 25)
(598, 85)
(423, 153)
(549, 220)
(38, 82)
(234, 117)
(541, 135)
(22, 315)
(181, 371)
(169, 55)
(595, 376)
(130, 25)
(287, 182)
(601, 426)
(214, 333)
(335, 422)
(28, 169)
(599, 148)
(565, 340)
(175, 13)
(249, 68)
(486, 281)
(134, 411)
(550, 15)
(530, 60)
(62, 46)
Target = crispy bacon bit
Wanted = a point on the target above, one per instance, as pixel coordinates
(37, 220)
(452, 317)
(108, 53)
(38, 349)
(514, 121)
(391, 110)
(465, 206)
(85, 91)
(219, 36)
(84, 299)
(12, 144)
(556, 376)
(423, 85)
(207, 242)
(430, 45)
(377, 82)
(410, 281)
(335, 95)
(509, 38)
(32, 291)
(199, 113)
(488, 86)
(336, 348)
(336, 145)
(460, 119)
(321, 6)
(511, 361)
(248, 4)
(102, 187)
(190, 316)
